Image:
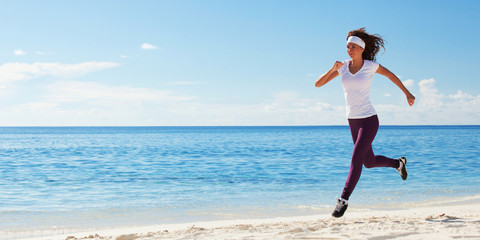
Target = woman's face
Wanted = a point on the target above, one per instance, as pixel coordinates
(354, 51)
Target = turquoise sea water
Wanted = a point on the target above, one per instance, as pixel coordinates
(58, 179)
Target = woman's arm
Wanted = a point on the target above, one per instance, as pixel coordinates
(385, 72)
(328, 76)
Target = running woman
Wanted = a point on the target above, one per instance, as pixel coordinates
(357, 74)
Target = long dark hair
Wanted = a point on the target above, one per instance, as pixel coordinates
(373, 43)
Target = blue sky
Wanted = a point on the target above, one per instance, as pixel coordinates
(154, 63)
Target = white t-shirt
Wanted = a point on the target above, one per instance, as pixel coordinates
(357, 89)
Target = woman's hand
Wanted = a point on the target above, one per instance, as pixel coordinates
(410, 99)
(337, 65)
(328, 76)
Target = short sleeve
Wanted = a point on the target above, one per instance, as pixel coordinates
(374, 66)
(341, 70)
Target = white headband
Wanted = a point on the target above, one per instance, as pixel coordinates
(356, 40)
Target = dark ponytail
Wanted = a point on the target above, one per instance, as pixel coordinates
(373, 43)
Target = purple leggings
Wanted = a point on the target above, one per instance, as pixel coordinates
(363, 132)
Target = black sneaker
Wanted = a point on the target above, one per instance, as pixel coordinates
(402, 169)
(342, 206)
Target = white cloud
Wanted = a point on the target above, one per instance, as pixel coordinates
(387, 95)
(409, 83)
(148, 46)
(76, 91)
(433, 107)
(290, 108)
(460, 95)
(19, 52)
(185, 83)
(427, 87)
(91, 103)
(430, 98)
(37, 106)
(24, 71)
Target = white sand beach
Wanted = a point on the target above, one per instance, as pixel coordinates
(455, 220)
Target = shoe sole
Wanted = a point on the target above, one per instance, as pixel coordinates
(340, 213)
(404, 172)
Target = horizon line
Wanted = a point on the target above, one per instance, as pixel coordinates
(346, 125)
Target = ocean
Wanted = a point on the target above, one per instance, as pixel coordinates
(61, 179)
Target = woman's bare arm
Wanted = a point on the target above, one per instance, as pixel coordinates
(385, 72)
(328, 76)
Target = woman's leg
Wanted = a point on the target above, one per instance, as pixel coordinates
(372, 161)
(363, 132)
